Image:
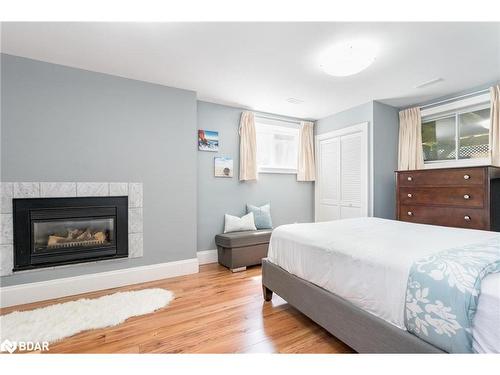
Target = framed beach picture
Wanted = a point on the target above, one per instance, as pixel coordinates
(223, 167)
(208, 140)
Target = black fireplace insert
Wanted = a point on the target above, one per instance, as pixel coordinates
(54, 231)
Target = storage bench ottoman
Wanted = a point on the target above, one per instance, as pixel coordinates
(237, 250)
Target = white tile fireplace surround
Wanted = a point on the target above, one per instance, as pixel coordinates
(10, 190)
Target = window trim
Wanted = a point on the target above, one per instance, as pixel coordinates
(287, 128)
(276, 170)
(455, 105)
(454, 109)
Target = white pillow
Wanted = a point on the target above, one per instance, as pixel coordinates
(236, 224)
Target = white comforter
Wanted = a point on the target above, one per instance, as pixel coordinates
(367, 261)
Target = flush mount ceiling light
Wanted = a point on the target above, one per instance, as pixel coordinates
(348, 58)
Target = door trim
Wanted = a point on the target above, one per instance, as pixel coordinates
(363, 128)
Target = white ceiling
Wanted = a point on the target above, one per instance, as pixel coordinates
(260, 65)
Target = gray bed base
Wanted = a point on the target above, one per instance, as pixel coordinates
(362, 331)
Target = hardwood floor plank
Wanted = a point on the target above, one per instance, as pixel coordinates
(214, 311)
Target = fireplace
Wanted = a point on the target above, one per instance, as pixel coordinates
(55, 231)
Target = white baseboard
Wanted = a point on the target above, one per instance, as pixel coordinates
(207, 256)
(43, 290)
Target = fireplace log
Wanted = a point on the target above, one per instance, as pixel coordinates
(74, 233)
(85, 236)
(54, 240)
(100, 236)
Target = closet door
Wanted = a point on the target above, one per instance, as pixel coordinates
(353, 176)
(328, 186)
(342, 174)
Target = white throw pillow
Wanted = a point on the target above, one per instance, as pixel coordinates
(236, 224)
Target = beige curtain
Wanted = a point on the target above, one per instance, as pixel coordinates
(410, 155)
(306, 167)
(495, 125)
(248, 147)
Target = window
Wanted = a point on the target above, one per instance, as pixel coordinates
(439, 139)
(277, 146)
(474, 128)
(459, 135)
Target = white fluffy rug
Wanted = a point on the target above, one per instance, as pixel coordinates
(55, 322)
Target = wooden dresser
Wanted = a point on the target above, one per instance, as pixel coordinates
(453, 197)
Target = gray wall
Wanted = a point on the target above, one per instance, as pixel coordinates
(65, 124)
(355, 115)
(384, 128)
(291, 201)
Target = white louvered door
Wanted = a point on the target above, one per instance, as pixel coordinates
(328, 191)
(342, 178)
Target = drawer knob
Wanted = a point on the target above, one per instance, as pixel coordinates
(467, 218)
(466, 196)
(466, 177)
(410, 178)
(410, 213)
(410, 195)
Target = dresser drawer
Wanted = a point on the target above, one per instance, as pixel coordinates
(443, 177)
(472, 218)
(473, 196)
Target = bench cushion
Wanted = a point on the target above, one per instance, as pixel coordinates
(241, 239)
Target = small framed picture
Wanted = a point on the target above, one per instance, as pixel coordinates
(223, 167)
(208, 140)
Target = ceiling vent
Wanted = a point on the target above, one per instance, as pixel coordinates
(428, 83)
(294, 101)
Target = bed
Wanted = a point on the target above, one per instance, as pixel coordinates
(350, 276)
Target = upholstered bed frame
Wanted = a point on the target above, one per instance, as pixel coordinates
(359, 329)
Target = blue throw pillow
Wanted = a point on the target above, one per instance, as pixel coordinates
(262, 216)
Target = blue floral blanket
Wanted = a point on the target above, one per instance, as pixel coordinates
(443, 291)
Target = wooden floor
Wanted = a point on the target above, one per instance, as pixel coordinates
(214, 311)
